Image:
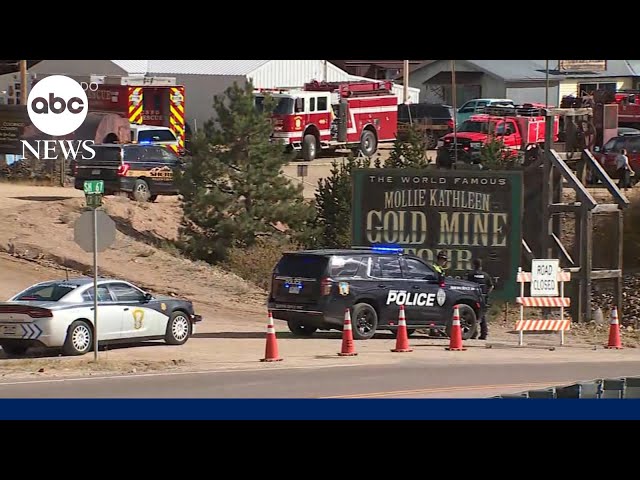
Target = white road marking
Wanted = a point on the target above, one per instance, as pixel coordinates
(167, 374)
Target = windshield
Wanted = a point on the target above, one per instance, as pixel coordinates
(283, 107)
(502, 104)
(156, 136)
(104, 154)
(50, 292)
(613, 145)
(475, 127)
(310, 266)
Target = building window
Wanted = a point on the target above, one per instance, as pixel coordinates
(587, 88)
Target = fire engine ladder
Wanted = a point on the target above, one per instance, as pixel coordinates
(362, 88)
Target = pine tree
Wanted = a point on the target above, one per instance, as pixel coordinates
(233, 190)
(409, 150)
(333, 204)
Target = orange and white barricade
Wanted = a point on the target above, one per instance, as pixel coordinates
(538, 325)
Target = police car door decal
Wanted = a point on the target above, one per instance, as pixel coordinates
(410, 299)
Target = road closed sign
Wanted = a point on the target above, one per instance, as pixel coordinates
(544, 278)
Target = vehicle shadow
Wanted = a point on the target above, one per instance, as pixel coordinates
(42, 199)
(287, 335)
(35, 352)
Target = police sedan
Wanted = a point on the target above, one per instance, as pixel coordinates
(59, 314)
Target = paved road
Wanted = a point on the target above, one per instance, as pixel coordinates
(406, 380)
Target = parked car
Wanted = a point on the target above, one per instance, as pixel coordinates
(59, 314)
(622, 131)
(311, 289)
(477, 106)
(142, 171)
(153, 135)
(432, 119)
(608, 153)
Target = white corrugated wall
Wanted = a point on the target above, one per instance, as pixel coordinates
(294, 73)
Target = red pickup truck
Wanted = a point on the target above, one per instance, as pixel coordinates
(519, 128)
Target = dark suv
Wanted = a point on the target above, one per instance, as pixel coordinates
(432, 119)
(311, 289)
(142, 171)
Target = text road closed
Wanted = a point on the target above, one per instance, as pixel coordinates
(544, 278)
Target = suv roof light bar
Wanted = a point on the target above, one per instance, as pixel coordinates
(380, 248)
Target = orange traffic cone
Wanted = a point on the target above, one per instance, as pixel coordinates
(271, 350)
(402, 337)
(348, 348)
(455, 341)
(614, 331)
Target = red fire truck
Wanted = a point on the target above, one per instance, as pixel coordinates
(144, 105)
(330, 115)
(628, 108)
(520, 129)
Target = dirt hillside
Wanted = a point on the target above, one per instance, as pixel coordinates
(37, 223)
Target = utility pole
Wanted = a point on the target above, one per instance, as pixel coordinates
(23, 82)
(454, 100)
(405, 76)
(546, 92)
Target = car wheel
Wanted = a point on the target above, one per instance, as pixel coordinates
(79, 339)
(364, 321)
(141, 192)
(14, 349)
(309, 148)
(468, 322)
(178, 329)
(300, 329)
(368, 143)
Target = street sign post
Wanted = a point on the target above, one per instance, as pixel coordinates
(93, 191)
(94, 187)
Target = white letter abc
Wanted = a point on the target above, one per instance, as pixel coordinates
(57, 105)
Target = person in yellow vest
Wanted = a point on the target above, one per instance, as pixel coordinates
(441, 263)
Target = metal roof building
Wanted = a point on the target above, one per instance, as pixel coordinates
(520, 80)
(205, 78)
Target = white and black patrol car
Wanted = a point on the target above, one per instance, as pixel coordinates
(311, 289)
(59, 314)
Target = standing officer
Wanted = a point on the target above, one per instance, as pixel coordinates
(441, 262)
(486, 284)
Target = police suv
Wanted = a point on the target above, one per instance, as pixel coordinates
(142, 171)
(311, 289)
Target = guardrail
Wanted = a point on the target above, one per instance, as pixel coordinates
(626, 387)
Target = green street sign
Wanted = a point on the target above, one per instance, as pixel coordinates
(93, 200)
(94, 187)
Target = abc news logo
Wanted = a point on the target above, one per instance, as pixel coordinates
(58, 106)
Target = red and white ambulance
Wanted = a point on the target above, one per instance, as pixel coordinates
(357, 115)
